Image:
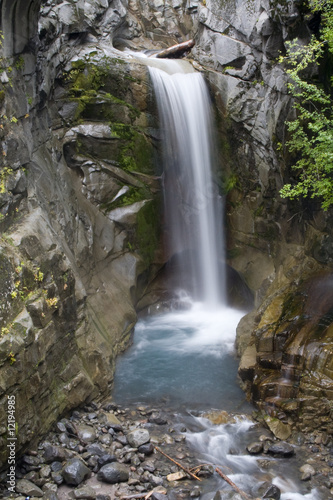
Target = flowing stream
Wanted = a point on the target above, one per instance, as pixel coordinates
(185, 359)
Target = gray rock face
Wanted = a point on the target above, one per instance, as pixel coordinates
(113, 473)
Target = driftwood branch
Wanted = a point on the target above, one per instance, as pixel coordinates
(242, 493)
(176, 50)
(144, 495)
(178, 464)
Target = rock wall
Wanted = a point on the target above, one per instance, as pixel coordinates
(79, 193)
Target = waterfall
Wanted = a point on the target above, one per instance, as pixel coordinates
(193, 207)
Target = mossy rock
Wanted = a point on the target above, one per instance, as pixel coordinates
(148, 230)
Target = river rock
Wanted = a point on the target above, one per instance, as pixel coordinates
(138, 437)
(146, 449)
(272, 492)
(307, 472)
(28, 488)
(158, 419)
(96, 449)
(86, 433)
(227, 495)
(176, 476)
(55, 454)
(106, 459)
(86, 493)
(281, 450)
(158, 496)
(113, 473)
(75, 471)
(278, 428)
(50, 495)
(255, 448)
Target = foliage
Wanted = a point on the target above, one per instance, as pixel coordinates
(311, 133)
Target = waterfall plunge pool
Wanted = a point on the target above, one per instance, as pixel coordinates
(184, 358)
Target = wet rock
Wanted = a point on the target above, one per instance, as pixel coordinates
(28, 488)
(281, 450)
(278, 428)
(45, 472)
(158, 496)
(307, 472)
(113, 473)
(272, 492)
(75, 471)
(86, 433)
(176, 476)
(56, 467)
(255, 448)
(206, 471)
(86, 493)
(96, 449)
(219, 417)
(60, 426)
(50, 495)
(106, 459)
(227, 495)
(158, 419)
(146, 449)
(55, 453)
(138, 437)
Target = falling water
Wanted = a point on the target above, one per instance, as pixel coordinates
(193, 207)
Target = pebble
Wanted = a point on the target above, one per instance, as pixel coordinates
(75, 458)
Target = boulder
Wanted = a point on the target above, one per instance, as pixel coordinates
(75, 471)
(113, 473)
(28, 488)
(138, 437)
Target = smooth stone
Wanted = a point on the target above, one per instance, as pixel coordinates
(146, 449)
(281, 449)
(106, 459)
(75, 471)
(255, 448)
(278, 428)
(28, 488)
(307, 472)
(157, 419)
(138, 437)
(86, 433)
(86, 493)
(113, 473)
(96, 449)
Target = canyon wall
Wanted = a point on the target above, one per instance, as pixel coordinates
(80, 191)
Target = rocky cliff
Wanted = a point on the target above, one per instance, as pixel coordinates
(79, 189)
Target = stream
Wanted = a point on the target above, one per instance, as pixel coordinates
(184, 362)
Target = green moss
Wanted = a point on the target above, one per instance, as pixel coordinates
(148, 231)
(135, 152)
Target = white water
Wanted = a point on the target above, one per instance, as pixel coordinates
(223, 446)
(185, 358)
(193, 208)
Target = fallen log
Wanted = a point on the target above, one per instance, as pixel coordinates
(176, 51)
(242, 493)
(179, 465)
